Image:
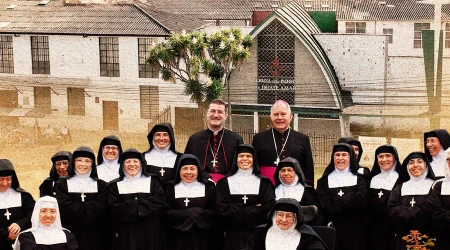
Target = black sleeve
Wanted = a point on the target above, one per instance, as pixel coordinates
(189, 146)
(27, 242)
(441, 215)
(27, 209)
(3, 237)
(205, 218)
(354, 200)
(80, 213)
(71, 243)
(308, 162)
(257, 240)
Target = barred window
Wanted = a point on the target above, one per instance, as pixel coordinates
(355, 27)
(40, 55)
(6, 54)
(276, 64)
(109, 56)
(390, 34)
(146, 70)
(75, 101)
(149, 98)
(418, 27)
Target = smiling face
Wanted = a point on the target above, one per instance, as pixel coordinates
(416, 167)
(341, 159)
(280, 116)
(386, 161)
(132, 166)
(287, 175)
(5, 183)
(216, 116)
(433, 145)
(245, 161)
(61, 167)
(284, 220)
(188, 173)
(110, 152)
(83, 165)
(47, 216)
(161, 139)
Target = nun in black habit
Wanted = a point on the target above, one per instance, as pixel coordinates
(192, 200)
(357, 147)
(439, 203)
(16, 206)
(162, 157)
(286, 230)
(60, 164)
(342, 191)
(435, 143)
(384, 177)
(290, 183)
(108, 156)
(407, 205)
(244, 198)
(136, 202)
(82, 200)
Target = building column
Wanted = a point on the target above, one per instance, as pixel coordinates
(255, 122)
(296, 122)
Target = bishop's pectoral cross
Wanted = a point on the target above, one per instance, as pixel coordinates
(340, 192)
(186, 202)
(412, 202)
(7, 214)
(380, 194)
(162, 171)
(276, 161)
(215, 166)
(245, 198)
(82, 197)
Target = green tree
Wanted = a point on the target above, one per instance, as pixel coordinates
(204, 62)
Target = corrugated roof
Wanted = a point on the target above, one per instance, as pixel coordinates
(218, 9)
(90, 19)
(295, 18)
(378, 9)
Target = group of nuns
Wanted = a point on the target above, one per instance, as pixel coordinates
(122, 203)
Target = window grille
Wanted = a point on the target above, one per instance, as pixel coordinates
(390, 34)
(276, 64)
(355, 27)
(40, 55)
(6, 55)
(418, 27)
(109, 56)
(146, 70)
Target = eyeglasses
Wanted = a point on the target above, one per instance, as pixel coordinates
(78, 160)
(61, 163)
(287, 215)
(112, 148)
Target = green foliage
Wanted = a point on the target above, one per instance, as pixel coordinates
(204, 62)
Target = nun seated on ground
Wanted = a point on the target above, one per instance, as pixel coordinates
(46, 232)
(286, 230)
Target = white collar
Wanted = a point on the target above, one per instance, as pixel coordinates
(277, 238)
(10, 198)
(215, 132)
(439, 163)
(136, 184)
(288, 191)
(344, 178)
(108, 170)
(82, 184)
(163, 158)
(385, 180)
(244, 182)
(417, 185)
(189, 190)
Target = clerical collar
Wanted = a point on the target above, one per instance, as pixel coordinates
(281, 133)
(215, 132)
